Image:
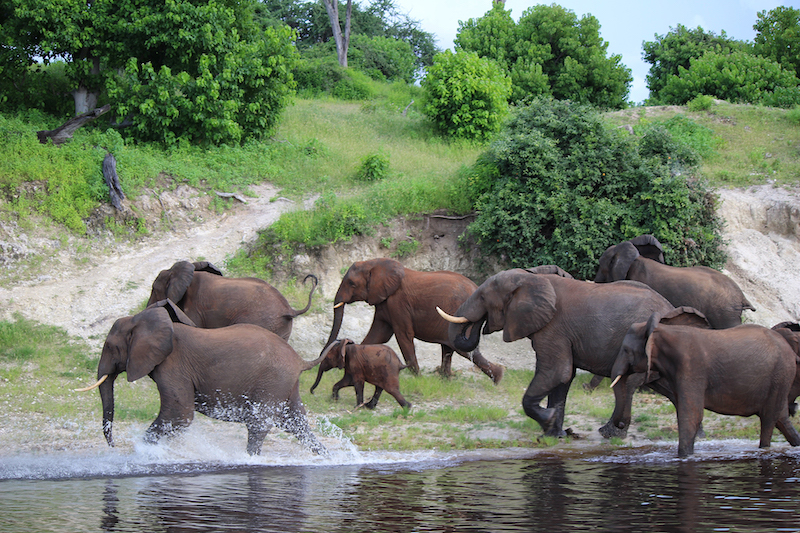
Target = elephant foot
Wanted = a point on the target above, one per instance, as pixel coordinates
(443, 372)
(610, 430)
(594, 383)
(370, 404)
(496, 373)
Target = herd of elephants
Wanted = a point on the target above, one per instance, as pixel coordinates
(218, 345)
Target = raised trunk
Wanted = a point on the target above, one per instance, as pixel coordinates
(107, 397)
(464, 343)
(338, 315)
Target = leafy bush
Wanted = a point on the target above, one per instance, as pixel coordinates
(564, 187)
(373, 167)
(466, 95)
(702, 102)
(737, 77)
(382, 58)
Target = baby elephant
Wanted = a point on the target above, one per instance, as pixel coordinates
(746, 370)
(374, 363)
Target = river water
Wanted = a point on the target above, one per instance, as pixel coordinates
(202, 485)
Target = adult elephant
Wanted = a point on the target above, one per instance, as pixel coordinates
(239, 373)
(213, 301)
(405, 303)
(572, 324)
(711, 292)
(715, 370)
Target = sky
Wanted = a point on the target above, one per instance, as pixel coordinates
(624, 24)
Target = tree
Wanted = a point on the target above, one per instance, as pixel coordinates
(342, 40)
(778, 36)
(466, 95)
(668, 53)
(549, 52)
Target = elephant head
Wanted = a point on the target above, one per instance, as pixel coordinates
(172, 284)
(637, 350)
(135, 345)
(516, 301)
(791, 332)
(371, 281)
(333, 357)
(617, 260)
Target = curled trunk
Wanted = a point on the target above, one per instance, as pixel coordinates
(467, 344)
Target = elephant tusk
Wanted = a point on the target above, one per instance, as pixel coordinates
(615, 380)
(338, 305)
(90, 387)
(451, 318)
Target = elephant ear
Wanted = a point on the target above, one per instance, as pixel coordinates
(649, 346)
(175, 312)
(385, 278)
(530, 307)
(150, 341)
(649, 247)
(685, 316)
(180, 277)
(624, 256)
(205, 266)
(793, 326)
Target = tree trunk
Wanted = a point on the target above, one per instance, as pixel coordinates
(342, 41)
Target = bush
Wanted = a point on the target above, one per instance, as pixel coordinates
(466, 95)
(737, 77)
(564, 188)
(700, 103)
(323, 75)
(373, 167)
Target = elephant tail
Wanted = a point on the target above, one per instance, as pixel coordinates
(298, 312)
(747, 305)
(308, 365)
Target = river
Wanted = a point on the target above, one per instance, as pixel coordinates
(198, 485)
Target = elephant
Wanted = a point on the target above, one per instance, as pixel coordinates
(746, 370)
(377, 364)
(405, 303)
(572, 324)
(239, 373)
(213, 301)
(791, 332)
(711, 292)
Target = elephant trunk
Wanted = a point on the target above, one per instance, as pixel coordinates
(107, 397)
(338, 315)
(464, 343)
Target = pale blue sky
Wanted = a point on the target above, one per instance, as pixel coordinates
(624, 24)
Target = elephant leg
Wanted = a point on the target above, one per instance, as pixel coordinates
(447, 360)
(406, 342)
(690, 414)
(256, 433)
(375, 397)
(295, 422)
(492, 370)
(557, 400)
(594, 383)
(346, 381)
(550, 378)
(176, 413)
(620, 420)
(359, 386)
(788, 430)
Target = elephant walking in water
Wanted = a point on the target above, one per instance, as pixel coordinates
(405, 303)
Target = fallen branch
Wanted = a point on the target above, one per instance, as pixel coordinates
(232, 195)
(64, 133)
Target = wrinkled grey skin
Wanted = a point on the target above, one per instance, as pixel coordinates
(376, 364)
(572, 324)
(711, 292)
(405, 303)
(715, 370)
(213, 301)
(791, 332)
(240, 373)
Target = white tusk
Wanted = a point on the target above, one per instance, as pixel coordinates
(450, 318)
(90, 387)
(615, 380)
(338, 305)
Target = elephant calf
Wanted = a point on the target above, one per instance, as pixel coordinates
(372, 363)
(746, 370)
(240, 373)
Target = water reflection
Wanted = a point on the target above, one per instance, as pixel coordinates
(544, 492)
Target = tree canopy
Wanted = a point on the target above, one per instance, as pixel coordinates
(778, 36)
(549, 52)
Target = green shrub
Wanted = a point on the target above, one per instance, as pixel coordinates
(466, 95)
(373, 167)
(702, 102)
(564, 187)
